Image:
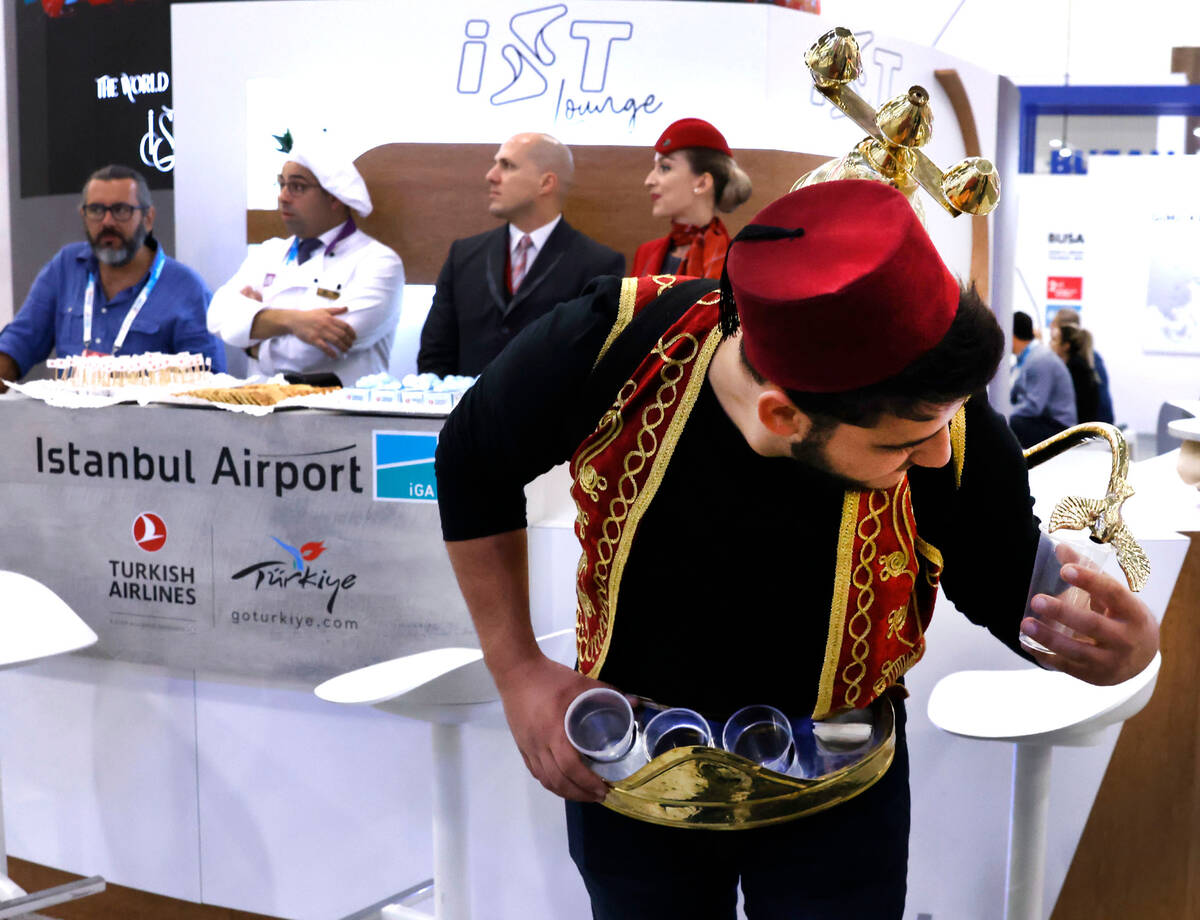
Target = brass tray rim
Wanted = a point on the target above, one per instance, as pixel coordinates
(787, 805)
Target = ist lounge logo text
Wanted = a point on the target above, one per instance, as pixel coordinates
(531, 49)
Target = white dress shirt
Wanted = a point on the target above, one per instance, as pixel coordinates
(537, 237)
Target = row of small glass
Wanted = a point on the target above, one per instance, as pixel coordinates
(600, 724)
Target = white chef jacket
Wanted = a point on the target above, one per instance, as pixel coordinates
(361, 274)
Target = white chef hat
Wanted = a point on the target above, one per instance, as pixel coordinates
(335, 171)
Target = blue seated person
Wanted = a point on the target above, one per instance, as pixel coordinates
(1043, 396)
(118, 293)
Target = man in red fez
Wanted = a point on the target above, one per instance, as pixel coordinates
(773, 479)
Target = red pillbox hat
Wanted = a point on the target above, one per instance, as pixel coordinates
(691, 132)
(854, 296)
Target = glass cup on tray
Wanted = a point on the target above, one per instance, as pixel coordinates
(1054, 551)
(762, 734)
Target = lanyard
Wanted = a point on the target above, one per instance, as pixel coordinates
(1023, 355)
(89, 300)
(347, 228)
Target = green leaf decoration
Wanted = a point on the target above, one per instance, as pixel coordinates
(284, 140)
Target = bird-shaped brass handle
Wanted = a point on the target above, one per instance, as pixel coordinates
(1101, 516)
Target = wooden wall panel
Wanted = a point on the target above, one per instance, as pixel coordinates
(428, 195)
(981, 250)
(1139, 856)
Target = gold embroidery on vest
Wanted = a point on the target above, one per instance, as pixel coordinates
(859, 626)
(894, 669)
(901, 562)
(893, 565)
(933, 571)
(933, 554)
(607, 430)
(896, 620)
(905, 527)
(958, 443)
(664, 282)
(625, 307)
(841, 598)
(659, 453)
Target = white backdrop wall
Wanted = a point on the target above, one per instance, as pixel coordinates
(1040, 42)
(408, 67)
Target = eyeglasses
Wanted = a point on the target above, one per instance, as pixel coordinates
(294, 187)
(121, 211)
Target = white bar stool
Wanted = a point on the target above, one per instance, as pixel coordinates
(1034, 710)
(446, 687)
(35, 623)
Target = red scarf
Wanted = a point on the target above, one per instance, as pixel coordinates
(707, 246)
(705, 257)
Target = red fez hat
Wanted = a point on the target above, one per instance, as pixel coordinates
(692, 132)
(852, 294)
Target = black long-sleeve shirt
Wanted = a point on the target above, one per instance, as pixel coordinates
(725, 598)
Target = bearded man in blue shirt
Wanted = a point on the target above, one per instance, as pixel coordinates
(118, 293)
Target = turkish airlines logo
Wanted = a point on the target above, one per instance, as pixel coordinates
(149, 532)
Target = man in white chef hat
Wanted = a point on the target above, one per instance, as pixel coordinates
(325, 299)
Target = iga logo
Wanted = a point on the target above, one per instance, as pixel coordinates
(404, 466)
(149, 531)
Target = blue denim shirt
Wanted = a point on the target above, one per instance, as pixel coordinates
(172, 320)
(1043, 387)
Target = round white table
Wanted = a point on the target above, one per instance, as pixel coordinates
(1034, 710)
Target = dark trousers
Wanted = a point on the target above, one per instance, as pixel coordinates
(847, 863)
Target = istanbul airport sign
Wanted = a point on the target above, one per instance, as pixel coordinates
(204, 539)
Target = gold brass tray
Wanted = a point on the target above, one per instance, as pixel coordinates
(707, 787)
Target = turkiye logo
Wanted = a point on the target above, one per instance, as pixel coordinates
(404, 466)
(298, 574)
(149, 531)
(306, 553)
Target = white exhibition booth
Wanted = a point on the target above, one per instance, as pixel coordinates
(1122, 240)
(238, 792)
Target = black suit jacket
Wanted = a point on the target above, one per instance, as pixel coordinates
(472, 317)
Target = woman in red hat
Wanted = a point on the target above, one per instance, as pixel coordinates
(694, 176)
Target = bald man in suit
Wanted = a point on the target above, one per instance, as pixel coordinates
(494, 284)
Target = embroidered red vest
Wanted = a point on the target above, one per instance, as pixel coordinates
(886, 580)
